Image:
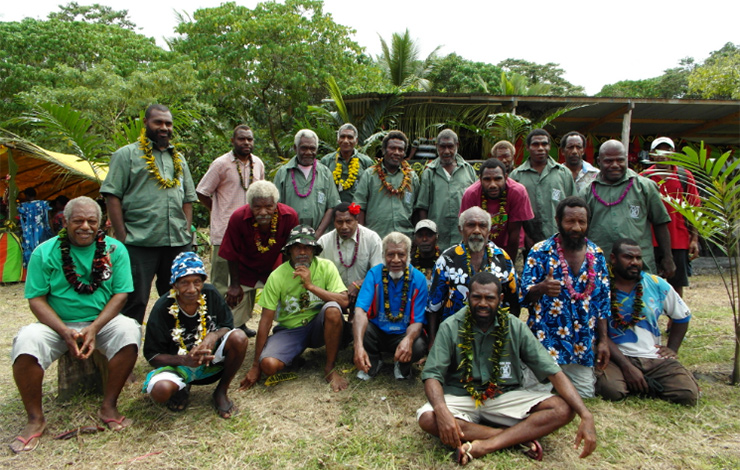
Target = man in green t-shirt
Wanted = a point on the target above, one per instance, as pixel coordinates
(308, 296)
(77, 284)
(473, 374)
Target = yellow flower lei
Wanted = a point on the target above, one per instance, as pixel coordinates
(270, 241)
(145, 145)
(353, 169)
(177, 331)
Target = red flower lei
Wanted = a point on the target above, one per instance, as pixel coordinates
(618, 320)
(621, 198)
(498, 221)
(100, 266)
(406, 183)
(313, 180)
(568, 280)
(354, 255)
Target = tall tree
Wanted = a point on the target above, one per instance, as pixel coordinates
(454, 74)
(94, 13)
(674, 83)
(719, 76)
(402, 65)
(269, 62)
(548, 74)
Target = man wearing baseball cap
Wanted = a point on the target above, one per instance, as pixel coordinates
(679, 184)
(308, 296)
(425, 250)
(190, 339)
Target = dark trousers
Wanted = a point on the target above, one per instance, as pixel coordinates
(147, 262)
(376, 341)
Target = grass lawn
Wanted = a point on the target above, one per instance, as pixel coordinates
(302, 424)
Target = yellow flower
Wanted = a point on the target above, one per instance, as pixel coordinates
(353, 171)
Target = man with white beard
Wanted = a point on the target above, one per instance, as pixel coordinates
(459, 263)
(389, 314)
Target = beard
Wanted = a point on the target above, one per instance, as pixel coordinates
(476, 243)
(571, 241)
(628, 274)
(395, 275)
(159, 141)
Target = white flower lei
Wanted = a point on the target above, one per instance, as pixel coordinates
(177, 331)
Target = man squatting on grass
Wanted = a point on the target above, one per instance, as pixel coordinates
(473, 372)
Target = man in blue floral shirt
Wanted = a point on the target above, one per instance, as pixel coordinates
(459, 263)
(565, 285)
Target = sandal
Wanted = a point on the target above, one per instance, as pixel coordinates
(533, 453)
(180, 400)
(29, 445)
(461, 453)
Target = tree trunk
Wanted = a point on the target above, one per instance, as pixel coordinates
(735, 378)
(76, 376)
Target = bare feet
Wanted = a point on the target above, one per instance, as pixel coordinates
(336, 380)
(465, 453)
(114, 420)
(28, 440)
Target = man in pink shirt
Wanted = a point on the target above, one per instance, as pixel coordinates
(505, 199)
(223, 190)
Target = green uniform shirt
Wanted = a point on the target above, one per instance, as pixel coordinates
(384, 212)
(46, 278)
(152, 215)
(282, 292)
(440, 195)
(545, 191)
(445, 356)
(631, 218)
(330, 161)
(323, 196)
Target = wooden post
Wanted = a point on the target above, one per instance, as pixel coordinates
(626, 125)
(76, 376)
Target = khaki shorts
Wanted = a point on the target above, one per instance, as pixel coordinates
(45, 344)
(507, 409)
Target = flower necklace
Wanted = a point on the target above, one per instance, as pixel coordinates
(145, 145)
(406, 183)
(468, 258)
(621, 198)
(353, 169)
(270, 241)
(618, 320)
(100, 266)
(313, 180)
(591, 284)
(354, 255)
(404, 295)
(239, 170)
(498, 221)
(466, 352)
(416, 261)
(177, 331)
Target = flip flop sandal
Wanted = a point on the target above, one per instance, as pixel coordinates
(230, 408)
(25, 442)
(81, 430)
(459, 453)
(534, 454)
(180, 400)
(118, 421)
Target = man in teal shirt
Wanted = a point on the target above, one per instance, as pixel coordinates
(306, 185)
(443, 183)
(387, 191)
(473, 373)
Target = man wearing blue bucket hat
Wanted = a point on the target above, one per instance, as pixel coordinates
(190, 339)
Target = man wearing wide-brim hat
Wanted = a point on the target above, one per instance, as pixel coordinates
(308, 296)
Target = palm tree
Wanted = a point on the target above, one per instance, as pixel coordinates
(717, 220)
(401, 63)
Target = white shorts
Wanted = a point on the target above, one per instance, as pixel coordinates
(507, 409)
(45, 344)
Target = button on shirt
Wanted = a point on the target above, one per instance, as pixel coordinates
(225, 187)
(385, 212)
(153, 215)
(322, 196)
(440, 194)
(369, 253)
(545, 190)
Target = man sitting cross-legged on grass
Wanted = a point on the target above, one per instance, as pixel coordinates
(473, 374)
(639, 363)
(77, 284)
(308, 296)
(190, 340)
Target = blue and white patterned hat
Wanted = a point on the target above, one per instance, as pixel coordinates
(185, 264)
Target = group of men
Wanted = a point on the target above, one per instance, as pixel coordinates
(412, 267)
